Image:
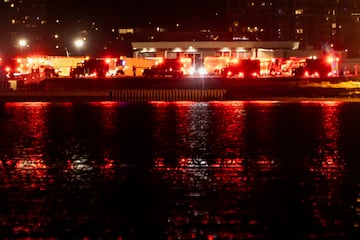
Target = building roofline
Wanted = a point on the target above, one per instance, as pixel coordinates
(217, 44)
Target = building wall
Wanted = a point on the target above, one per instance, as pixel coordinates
(22, 19)
(315, 23)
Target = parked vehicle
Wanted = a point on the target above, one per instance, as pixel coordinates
(313, 67)
(243, 69)
(168, 68)
(30, 70)
(90, 68)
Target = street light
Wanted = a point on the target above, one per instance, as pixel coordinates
(79, 43)
(22, 43)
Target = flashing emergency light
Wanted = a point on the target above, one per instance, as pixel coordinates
(330, 59)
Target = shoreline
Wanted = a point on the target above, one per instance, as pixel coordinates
(187, 89)
(85, 96)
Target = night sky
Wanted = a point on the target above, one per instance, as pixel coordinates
(139, 13)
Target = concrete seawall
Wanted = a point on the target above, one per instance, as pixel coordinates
(128, 95)
(187, 89)
(141, 95)
(54, 96)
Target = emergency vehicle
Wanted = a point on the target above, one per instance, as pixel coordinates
(317, 67)
(92, 67)
(29, 69)
(37, 68)
(244, 68)
(177, 67)
(271, 67)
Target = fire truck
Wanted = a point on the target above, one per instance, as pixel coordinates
(29, 69)
(37, 68)
(244, 68)
(169, 68)
(92, 67)
(316, 67)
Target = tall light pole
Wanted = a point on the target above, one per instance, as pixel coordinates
(67, 52)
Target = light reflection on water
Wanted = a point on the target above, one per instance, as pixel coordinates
(180, 170)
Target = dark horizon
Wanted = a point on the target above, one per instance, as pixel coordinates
(201, 13)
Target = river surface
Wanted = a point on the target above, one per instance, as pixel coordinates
(180, 170)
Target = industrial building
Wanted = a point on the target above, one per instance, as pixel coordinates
(198, 50)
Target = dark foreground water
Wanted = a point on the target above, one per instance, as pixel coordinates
(180, 170)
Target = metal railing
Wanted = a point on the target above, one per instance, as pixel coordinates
(139, 95)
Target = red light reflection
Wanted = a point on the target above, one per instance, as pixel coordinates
(328, 168)
(29, 121)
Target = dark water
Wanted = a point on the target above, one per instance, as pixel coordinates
(181, 170)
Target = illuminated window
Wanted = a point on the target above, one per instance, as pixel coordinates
(126, 30)
(299, 31)
(333, 25)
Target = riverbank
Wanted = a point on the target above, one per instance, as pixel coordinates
(192, 89)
